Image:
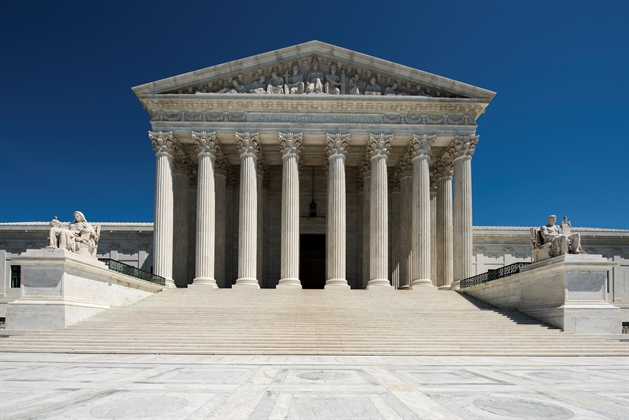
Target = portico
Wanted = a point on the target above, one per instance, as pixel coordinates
(259, 159)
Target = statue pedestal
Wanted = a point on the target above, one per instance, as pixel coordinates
(60, 288)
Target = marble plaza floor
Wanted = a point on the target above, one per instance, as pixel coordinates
(111, 386)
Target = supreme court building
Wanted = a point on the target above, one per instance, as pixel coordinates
(313, 165)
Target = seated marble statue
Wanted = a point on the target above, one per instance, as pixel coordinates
(78, 236)
(315, 79)
(258, 86)
(332, 82)
(235, 88)
(276, 84)
(373, 88)
(555, 240)
(295, 83)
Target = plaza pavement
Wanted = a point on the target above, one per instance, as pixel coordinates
(117, 386)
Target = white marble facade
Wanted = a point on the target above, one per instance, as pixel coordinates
(243, 149)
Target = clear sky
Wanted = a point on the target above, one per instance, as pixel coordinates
(555, 139)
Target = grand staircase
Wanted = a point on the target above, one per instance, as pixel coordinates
(313, 322)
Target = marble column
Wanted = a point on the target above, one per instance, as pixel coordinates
(337, 146)
(444, 223)
(192, 225)
(181, 184)
(379, 148)
(394, 185)
(260, 176)
(461, 150)
(406, 223)
(290, 148)
(420, 156)
(207, 147)
(163, 222)
(223, 169)
(365, 174)
(248, 147)
(433, 227)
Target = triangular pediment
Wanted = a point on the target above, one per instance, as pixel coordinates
(354, 73)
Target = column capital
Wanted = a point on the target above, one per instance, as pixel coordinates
(183, 165)
(336, 145)
(405, 165)
(379, 145)
(222, 166)
(364, 170)
(290, 144)
(462, 147)
(248, 144)
(394, 180)
(433, 183)
(261, 166)
(419, 146)
(206, 143)
(443, 167)
(163, 142)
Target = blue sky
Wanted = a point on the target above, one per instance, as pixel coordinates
(555, 139)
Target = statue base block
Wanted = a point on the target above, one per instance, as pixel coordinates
(60, 288)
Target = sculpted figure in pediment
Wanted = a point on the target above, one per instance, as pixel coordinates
(295, 83)
(234, 88)
(391, 89)
(78, 236)
(354, 85)
(276, 84)
(373, 88)
(315, 79)
(258, 86)
(332, 82)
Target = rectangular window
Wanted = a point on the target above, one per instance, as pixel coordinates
(16, 275)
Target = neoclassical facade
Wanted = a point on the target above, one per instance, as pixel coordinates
(356, 169)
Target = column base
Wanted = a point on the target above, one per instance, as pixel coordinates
(456, 285)
(379, 284)
(289, 283)
(336, 284)
(444, 287)
(205, 282)
(170, 284)
(246, 283)
(421, 283)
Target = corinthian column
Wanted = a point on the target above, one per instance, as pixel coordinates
(461, 150)
(181, 186)
(444, 222)
(394, 185)
(248, 147)
(290, 147)
(206, 147)
(336, 149)
(223, 169)
(379, 148)
(406, 221)
(163, 222)
(420, 156)
(364, 173)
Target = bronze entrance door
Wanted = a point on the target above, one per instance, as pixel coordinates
(312, 261)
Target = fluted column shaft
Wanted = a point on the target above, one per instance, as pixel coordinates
(462, 150)
(378, 147)
(336, 149)
(444, 229)
(406, 223)
(365, 173)
(163, 221)
(220, 181)
(206, 147)
(290, 147)
(181, 185)
(420, 155)
(395, 234)
(248, 145)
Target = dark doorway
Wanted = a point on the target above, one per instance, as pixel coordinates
(312, 261)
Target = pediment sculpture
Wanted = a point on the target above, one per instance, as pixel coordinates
(552, 240)
(78, 236)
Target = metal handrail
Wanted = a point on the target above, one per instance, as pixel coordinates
(132, 271)
(495, 274)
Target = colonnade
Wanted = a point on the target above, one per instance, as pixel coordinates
(451, 216)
